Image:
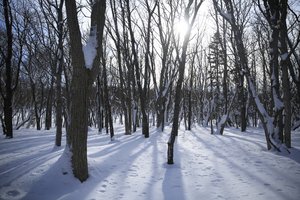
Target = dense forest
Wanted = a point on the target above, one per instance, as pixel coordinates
(216, 63)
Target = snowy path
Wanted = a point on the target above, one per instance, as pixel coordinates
(233, 166)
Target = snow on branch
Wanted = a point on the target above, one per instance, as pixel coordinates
(90, 48)
(284, 56)
(226, 15)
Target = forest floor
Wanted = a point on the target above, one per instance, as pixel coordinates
(233, 166)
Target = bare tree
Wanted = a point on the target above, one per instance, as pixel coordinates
(9, 70)
(270, 131)
(182, 61)
(163, 83)
(84, 72)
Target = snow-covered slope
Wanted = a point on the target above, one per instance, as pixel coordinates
(234, 166)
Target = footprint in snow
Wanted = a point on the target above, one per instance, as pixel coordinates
(102, 190)
(13, 193)
(134, 175)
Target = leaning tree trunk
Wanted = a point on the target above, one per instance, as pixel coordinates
(265, 118)
(181, 67)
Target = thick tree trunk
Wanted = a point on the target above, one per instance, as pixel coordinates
(8, 96)
(79, 88)
(8, 116)
(81, 83)
(274, 66)
(284, 63)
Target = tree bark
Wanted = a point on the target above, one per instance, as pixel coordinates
(264, 116)
(284, 63)
(117, 42)
(181, 68)
(82, 80)
(142, 92)
(8, 96)
(106, 98)
(59, 73)
(49, 106)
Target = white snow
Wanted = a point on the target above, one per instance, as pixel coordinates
(233, 166)
(220, 123)
(278, 104)
(226, 15)
(223, 119)
(90, 48)
(284, 56)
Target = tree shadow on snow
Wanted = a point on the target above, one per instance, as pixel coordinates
(58, 182)
(172, 185)
(230, 160)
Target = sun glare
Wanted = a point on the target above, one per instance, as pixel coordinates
(180, 28)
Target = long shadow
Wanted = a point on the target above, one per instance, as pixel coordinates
(17, 144)
(24, 155)
(233, 164)
(155, 172)
(126, 159)
(60, 174)
(103, 139)
(67, 188)
(172, 186)
(293, 152)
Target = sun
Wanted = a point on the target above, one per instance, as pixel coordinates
(181, 28)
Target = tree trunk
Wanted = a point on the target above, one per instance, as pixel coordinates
(58, 75)
(189, 126)
(81, 83)
(142, 92)
(8, 96)
(8, 116)
(242, 103)
(181, 68)
(99, 105)
(118, 45)
(48, 118)
(79, 98)
(285, 75)
(106, 98)
(264, 116)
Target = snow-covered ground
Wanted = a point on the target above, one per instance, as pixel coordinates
(234, 166)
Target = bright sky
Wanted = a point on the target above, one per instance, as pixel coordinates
(203, 22)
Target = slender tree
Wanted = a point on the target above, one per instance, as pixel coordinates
(174, 132)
